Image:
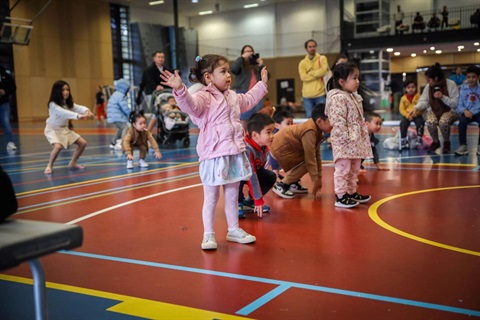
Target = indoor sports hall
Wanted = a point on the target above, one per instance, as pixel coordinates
(412, 252)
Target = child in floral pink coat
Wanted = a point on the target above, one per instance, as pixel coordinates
(349, 136)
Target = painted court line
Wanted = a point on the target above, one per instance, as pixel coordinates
(283, 286)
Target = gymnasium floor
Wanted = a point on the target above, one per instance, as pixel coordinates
(412, 252)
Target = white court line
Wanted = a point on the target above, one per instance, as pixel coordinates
(93, 214)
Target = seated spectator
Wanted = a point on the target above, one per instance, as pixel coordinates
(468, 108)
(440, 100)
(459, 78)
(475, 18)
(418, 23)
(434, 22)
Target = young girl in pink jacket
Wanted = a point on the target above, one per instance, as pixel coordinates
(216, 110)
(349, 136)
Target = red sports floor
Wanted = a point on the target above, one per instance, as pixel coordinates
(412, 252)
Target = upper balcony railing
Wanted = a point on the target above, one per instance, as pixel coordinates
(458, 18)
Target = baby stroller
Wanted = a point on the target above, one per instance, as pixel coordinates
(172, 125)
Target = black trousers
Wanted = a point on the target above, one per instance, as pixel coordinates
(266, 178)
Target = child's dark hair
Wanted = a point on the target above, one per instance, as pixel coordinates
(257, 122)
(134, 116)
(318, 112)
(281, 114)
(435, 71)
(473, 69)
(207, 63)
(57, 96)
(340, 71)
(409, 81)
(370, 115)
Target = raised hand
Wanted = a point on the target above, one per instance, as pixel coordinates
(172, 80)
(264, 75)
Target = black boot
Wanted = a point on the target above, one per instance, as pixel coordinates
(446, 147)
(434, 146)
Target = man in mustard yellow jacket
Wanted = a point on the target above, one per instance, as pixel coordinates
(312, 69)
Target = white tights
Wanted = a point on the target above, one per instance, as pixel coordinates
(211, 195)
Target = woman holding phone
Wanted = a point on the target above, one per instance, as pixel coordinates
(440, 97)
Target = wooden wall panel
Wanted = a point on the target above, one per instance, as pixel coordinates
(71, 40)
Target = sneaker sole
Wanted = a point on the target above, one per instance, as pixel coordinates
(209, 246)
(299, 191)
(361, 201)
(250, 209)
(245, 240)
(280, 194)
(461, 153)
(341, 205)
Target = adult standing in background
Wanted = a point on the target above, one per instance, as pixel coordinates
(398, 17)
(247, 70)
(312, 69)
(151, 82)
(7, 87)
(444, 14)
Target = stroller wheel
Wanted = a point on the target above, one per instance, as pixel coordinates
(186, 142)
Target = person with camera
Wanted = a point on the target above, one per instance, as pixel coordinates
(247, 70)
(440, 99)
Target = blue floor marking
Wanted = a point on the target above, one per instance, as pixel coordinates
(283, 285)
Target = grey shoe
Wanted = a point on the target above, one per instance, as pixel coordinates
(462, 150)
(209, 242)
(240, 236)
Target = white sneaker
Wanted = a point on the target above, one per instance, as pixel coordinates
(129, 164)
(142, 163)
(111, 145)
(118, 146)
(240, 236)
(11, 146)
(209, 242)
(462, 150)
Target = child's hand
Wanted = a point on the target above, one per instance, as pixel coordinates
(362, 171)
(264, 74)
(129, 156)
(468, 114)
(158, 155)
(317, 186)
(258, 210)
(171, 79)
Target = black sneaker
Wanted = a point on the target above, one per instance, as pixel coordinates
(282, 190)
(345, 202)
(297, 188)
(359, 198)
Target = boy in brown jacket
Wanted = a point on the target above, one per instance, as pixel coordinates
(297, 149)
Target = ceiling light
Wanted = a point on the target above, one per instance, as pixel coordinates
(432, 48)
(461, 47)
(413, 55)
(438, 51)
(478, 50)
(424, 51)
(194, 1)
(154, 3)
(202, 13)
(389, 49)
(476, 43)
(253, 5)
(396, 53)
